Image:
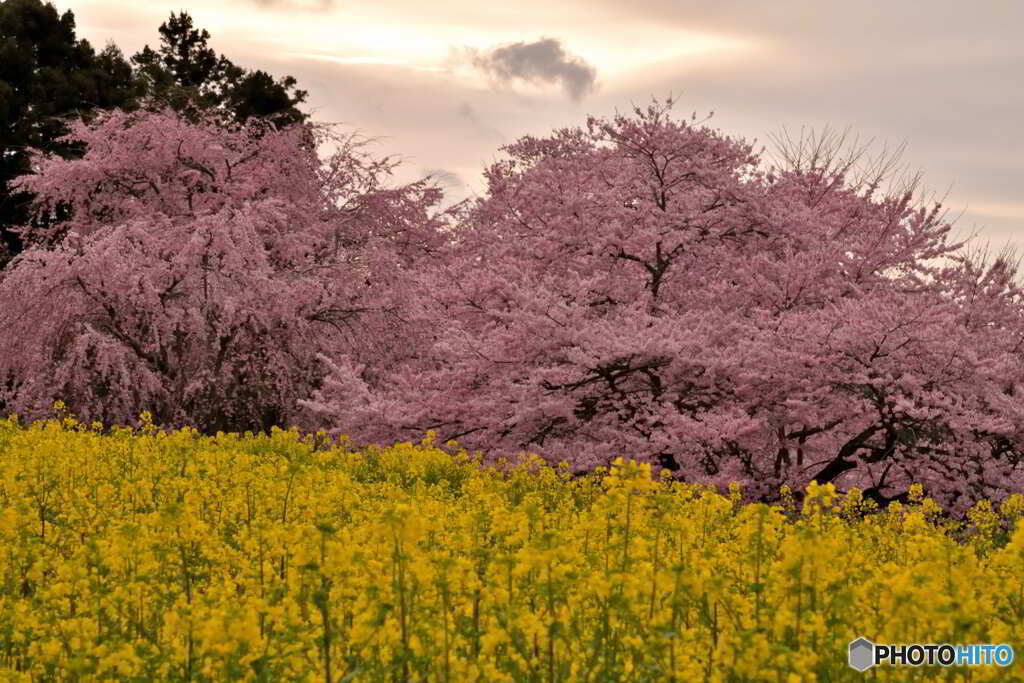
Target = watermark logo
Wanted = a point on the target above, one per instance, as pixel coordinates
(864, 654)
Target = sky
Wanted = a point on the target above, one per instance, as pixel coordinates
(445, 84)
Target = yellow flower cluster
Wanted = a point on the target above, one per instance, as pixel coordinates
(156, 556)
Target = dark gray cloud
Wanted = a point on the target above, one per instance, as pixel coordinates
(444, 178)
(542, 61)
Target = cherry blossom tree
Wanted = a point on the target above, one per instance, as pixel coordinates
(648, 287)
(205, 270)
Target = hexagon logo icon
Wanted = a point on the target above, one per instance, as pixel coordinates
(862, 654)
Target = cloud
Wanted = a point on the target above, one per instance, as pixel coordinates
(466, 112)
(544, 61)
(302, 5)
(443, 177)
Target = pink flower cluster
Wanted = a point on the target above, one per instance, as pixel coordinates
(644, 287)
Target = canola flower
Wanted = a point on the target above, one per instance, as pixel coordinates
(170, 556)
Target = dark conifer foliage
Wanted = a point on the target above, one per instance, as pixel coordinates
(46, 75)
(186, 74)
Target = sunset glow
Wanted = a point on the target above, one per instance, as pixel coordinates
(391, 68)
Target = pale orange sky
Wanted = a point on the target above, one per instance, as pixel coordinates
(940, 75)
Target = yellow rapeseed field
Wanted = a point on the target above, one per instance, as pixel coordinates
(150, 556)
